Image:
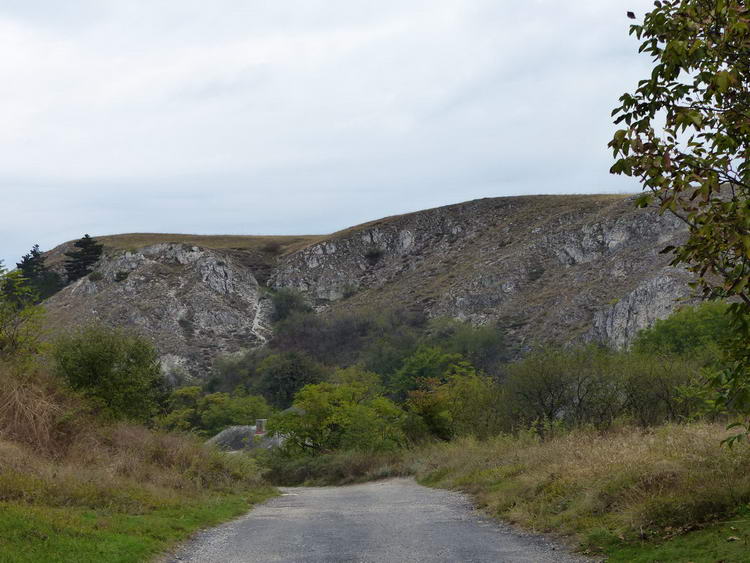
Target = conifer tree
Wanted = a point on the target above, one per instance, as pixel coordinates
(81, 262)
(38, 276)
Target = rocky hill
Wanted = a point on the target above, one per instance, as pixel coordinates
(545, 268)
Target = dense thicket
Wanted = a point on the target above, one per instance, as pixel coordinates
(448, 379)
(116, 370)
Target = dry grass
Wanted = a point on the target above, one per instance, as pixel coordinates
(125, 469)
(54, 453)
(606, 491)
(287, 244)
(631, 484)
(33, 409)
(73, 490)
(274, 244)
(263, 248)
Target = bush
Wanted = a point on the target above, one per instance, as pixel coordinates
(597, 386)
(700, 332)
(117, 370)
(333, 339)
(20, 319)
(339, 468)
(328, 417)
(373, 255)
(207, 415)
(483, 346)
(286, 302)
(280, 376)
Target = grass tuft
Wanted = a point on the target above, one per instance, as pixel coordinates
(72, 489)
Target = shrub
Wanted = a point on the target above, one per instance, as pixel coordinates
(484, 346)
(117, 370)
(286, 302)
(207, 415)
(272, 247)
(373, 255)
(700, 332)
(327, 417)
(339, 468)
(334, 339)
(597, 386)
(280, 376)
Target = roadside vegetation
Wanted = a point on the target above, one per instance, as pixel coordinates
(640, 455)
(84, 473)
(619, 451)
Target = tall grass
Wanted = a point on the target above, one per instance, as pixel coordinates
(95, 485)
(33, 408)
(628, 484)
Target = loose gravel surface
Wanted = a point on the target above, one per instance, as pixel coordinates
(385, 521)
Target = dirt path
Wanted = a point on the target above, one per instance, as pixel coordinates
(386, 521)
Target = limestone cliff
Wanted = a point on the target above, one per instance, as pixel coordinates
(557, 268)
(193, 302)
(545, 268)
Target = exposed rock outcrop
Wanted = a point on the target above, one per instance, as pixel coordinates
(544, 268)
(194, 303)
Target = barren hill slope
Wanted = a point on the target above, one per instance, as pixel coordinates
(546, 268)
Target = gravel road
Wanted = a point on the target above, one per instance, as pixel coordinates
(386, 521)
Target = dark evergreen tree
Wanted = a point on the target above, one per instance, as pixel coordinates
(43, 281)
(81, 262)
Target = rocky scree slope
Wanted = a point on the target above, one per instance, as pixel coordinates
(544, 268)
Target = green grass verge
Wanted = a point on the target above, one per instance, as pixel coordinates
(728, 542)
(80, 535)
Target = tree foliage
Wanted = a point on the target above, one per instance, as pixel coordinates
(687, 134)
(117, 370)
(80, 262)
(427, 363)
(39, 277)
(286, 302)
(280, 376)
(190, 410)
(687, 138)
(593, 386)
(700, 332)
(20, 318)
(329, 416)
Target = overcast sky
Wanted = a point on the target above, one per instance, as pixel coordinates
(297, 116)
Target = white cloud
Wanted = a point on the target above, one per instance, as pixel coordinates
(297, 116)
